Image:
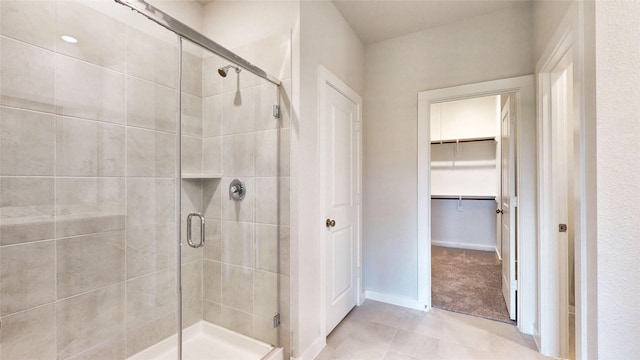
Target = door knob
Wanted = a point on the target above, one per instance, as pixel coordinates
(499, 211)
(330, 223)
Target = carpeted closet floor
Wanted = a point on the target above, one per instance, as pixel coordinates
(468, 282)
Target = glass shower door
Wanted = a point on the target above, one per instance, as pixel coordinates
(230, 183)
(88, 169)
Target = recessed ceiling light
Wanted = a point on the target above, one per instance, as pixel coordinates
(69, 39)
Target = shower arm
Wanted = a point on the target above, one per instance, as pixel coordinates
(173, 25)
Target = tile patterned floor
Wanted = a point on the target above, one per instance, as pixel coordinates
(379, 331)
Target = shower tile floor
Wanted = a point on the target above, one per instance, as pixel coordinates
(205, 341)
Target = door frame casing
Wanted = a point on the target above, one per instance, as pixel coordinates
(523, 87)
(327, 78)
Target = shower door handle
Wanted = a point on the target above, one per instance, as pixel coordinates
(202, 229)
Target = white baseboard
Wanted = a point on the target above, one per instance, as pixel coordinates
(457, 245)
(392, 299)
(313, 350)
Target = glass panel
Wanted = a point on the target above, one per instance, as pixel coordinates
(88, 147)
(229, 132)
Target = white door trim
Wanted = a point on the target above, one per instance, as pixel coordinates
(325, 77)
(523, 87)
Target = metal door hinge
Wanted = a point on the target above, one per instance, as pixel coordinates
(514, 201)
(514, 285)
(562, 227)
(276, 320)
(276, 111)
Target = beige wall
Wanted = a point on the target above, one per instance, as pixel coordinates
(325, 39)
(494, 46)
(617, 57)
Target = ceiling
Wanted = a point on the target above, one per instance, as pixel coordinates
(377, 20)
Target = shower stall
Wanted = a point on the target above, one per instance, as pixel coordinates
(144, 196)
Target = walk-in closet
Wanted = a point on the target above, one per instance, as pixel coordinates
(468, 178)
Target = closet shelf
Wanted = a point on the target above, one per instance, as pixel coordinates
(464, 197)
(201, 176)
(453, 141)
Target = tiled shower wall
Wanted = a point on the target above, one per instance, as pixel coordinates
(87, 183)
(87, 189)
(246, 263)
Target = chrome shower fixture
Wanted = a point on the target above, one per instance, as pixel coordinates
(223, 71)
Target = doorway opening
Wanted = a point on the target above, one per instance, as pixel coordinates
(521, 223)
(472, 219)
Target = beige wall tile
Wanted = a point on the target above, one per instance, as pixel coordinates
(212, 115)
(191, 115)
(212, 249)
(265, 96)
(191, 73)
(151, 59)
(150, 333)
(238, 210)
(238, 111)
(89, 205)
(28, 75)
(90, 92)
(30, 334)
(212, 81)
(111, 349)
(151, 106)
(88, 320)
(30, 230)
(76, 147)
(150, 202)
(30, 21)
(89, 262)
(284, 302)
(236, 320)
(284, 200)
(238, 155)
(101, 39)
(284, 155)
(88, 148)
(212, 312)
(267, 153)
(267, 200)
(265, 293)
(237, 287)
(212, 277)
(26, 142)
(264, 331)
(150, 249)
(267, 247)
(212, 155)
(150, 298)
(212, 193)
(26, 209)
(191, 155)
(284, 250)
(150, 153)
(192, 275)
(237, 242)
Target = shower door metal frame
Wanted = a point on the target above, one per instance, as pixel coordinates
(172, 24)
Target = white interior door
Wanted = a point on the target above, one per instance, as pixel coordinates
(341, 117)
(509, 284)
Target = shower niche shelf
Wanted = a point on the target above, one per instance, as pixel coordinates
(201, 176)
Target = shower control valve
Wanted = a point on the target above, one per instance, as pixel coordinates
(237, 190)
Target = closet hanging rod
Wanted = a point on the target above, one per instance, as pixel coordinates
(453, 141)
(173, 25)
(463, 197)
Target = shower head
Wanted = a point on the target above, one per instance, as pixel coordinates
(223, 71)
